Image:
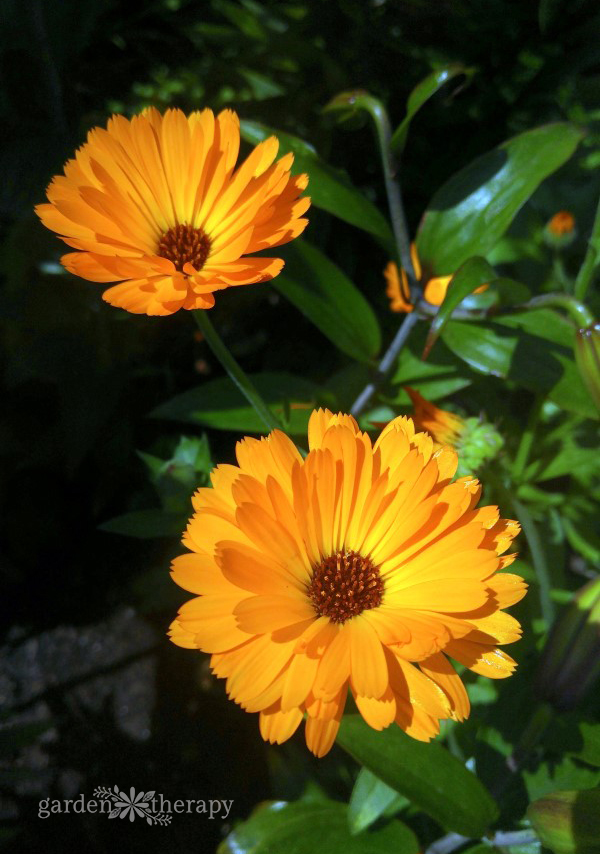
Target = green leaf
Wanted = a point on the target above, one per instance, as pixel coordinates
(221, 405)
(471, 212)
(146, 524)
(441, 375)
(535, 349)
(330, 300)
(329, 188)
(470, 276)
(433, 779)
(371, 798)
(422, 92)
(308, 827)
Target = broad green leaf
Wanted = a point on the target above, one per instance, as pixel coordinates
(371, 798)
(328, 298)
(471, 275)
(432, 779)
(307, 827)
(221, 405)
(329, 188)
(422, 92)
(146, 524)
(535, 349)
(441, 375)
(471, 212)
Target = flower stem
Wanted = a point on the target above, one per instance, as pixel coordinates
(238, 376)
(538, 558)
(536, 548)
(386, 363)
(527, 438)
(588, 268)
(392, 187)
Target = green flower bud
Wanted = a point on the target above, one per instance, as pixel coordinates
(479, 443)
(587, 355)
(568, 822)
(570, 661)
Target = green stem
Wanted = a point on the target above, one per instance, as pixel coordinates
(392, 187)
(527, 438)
(586, 273)
(580, 313)
(238, 376)
(538, 558)
(536, 548)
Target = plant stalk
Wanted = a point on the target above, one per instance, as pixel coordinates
(238, 376)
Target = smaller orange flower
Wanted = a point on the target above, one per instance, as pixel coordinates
(562, 223)
(445, 428)
(434, 290)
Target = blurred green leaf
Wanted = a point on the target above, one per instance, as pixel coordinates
(371, 798)
(470, 276)
(219, 403)
(319, 289)
(329, 188)
(550, 776)
(419, 96)
(470, 213)
(146, 524)
(308, 827)
(433, 779)
(535, 349)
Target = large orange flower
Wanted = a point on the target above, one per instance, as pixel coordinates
(362, 566)
(157, 204)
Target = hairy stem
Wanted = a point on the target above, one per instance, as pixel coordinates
(238, 376)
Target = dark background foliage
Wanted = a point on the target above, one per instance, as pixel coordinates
(80, 378)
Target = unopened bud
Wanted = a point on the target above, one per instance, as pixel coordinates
(568, 822)
(479, 443)
(587, 355)
(570, 661)
(560, 230)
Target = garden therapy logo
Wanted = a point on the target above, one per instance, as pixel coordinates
(153, 807)
(132, 805)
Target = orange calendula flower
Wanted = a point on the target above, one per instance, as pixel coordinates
(157, 204)
(397, 290)
(362, 567)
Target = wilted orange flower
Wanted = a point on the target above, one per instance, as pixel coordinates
(561, 223)
(434, 290)
(360, 567)
(156, 203)
(445, 427)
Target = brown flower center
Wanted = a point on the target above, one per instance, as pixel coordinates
(184, 243)
(344, 585)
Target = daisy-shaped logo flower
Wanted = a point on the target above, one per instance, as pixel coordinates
(132, 806)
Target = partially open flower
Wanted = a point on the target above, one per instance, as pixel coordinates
(476, 440)
(157, 204)
(398, 289)
(361, 567)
